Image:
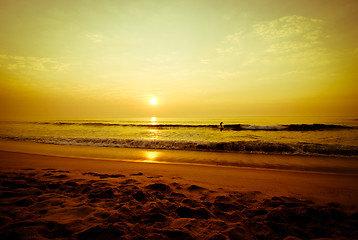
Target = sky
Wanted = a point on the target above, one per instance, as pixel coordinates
(109, 59)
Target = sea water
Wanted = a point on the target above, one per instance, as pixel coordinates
(327, 136)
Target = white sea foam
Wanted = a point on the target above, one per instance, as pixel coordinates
(259, 136)
(233, 146)
(267, 127)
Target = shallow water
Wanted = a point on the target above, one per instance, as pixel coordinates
(341, 165)
(329, 136)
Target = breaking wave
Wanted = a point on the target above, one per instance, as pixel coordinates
(261, 147)
(233, 127)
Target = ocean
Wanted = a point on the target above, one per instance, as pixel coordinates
(312, 136)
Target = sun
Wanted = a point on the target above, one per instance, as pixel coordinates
(153, 100)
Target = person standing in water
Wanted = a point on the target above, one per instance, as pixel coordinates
(221, 126)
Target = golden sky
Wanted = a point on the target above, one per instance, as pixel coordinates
(110, 58)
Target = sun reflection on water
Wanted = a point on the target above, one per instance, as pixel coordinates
(153, 121)
(151, 156)
(153, 134)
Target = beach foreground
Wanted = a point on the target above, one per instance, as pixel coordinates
(49, 197)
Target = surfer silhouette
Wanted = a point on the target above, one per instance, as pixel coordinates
(221, 126)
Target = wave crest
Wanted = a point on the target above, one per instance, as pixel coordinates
(233, 127)
(234, 146)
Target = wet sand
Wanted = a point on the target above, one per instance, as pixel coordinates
(51, 197)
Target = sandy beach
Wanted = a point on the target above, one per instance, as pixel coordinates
(206, 120)
(56, 197)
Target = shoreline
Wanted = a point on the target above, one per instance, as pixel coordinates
(321, 187)
(299, 163)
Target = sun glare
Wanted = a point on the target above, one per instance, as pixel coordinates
(153, 100)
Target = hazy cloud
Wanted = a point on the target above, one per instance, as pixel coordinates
(288, 46)
(290, 26)
(31, 63)
(225, 75)
(294, 39)
(95, 37)
(231, 43)
(233, 38)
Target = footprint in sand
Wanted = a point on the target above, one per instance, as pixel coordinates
(136, 174)
(195, 188)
